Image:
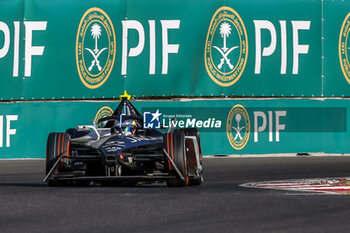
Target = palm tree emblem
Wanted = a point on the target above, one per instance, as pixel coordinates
(95, 33)
(225, 32)
(238, 129)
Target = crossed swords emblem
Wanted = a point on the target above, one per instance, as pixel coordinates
(225, 31)
(95, 56)
(224, 56)
(238, 129)
(95, 33)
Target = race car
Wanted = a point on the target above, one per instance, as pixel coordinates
(119, 149)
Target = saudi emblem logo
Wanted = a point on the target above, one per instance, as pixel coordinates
(95, 48)
(238, 127)
(103, 112)
(344, 47)
(226, 47)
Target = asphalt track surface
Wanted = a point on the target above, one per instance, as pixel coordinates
(219, 205)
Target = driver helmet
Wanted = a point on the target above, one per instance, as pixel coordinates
(129, 127)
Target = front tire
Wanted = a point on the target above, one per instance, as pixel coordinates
(57, 144)
(194, 132)
(176, 150)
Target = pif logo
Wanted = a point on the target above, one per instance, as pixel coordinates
(103, 112)
(95, 48)
(344, 47)
(238, 127)
(226, 47)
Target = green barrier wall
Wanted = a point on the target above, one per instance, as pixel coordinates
(264, 126)
(97, 49)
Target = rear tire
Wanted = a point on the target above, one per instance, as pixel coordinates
(57, 143)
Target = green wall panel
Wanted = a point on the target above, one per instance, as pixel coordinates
(165, 48)
(291, 125)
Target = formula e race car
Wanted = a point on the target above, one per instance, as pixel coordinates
(118, 149)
